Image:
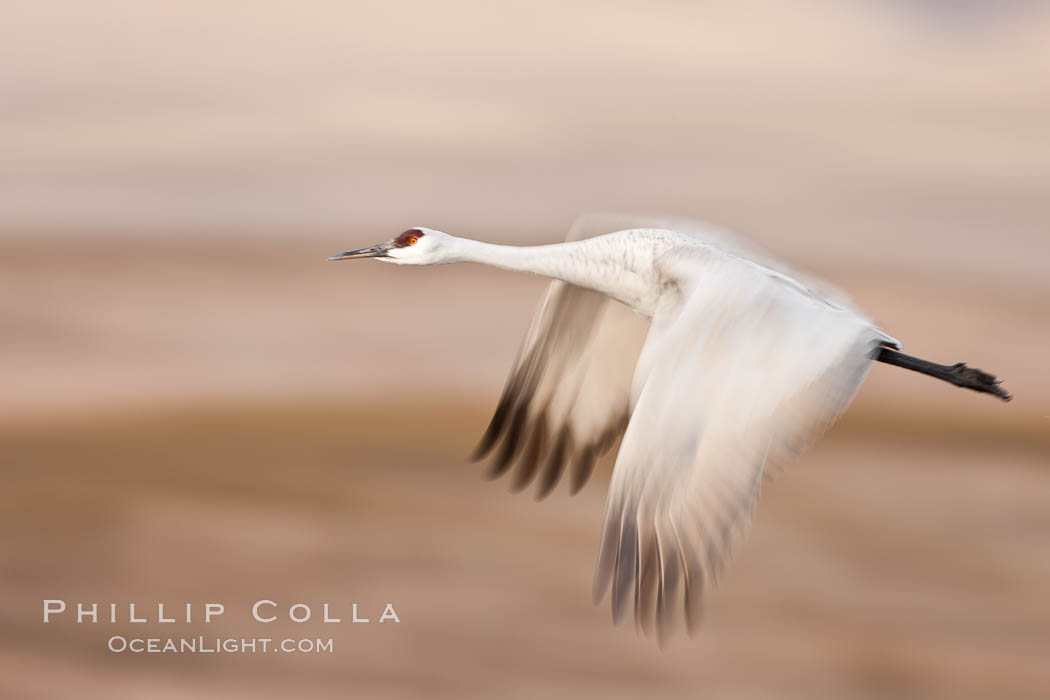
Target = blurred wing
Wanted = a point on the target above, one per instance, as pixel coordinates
(746, 369)
(567, 399)
(727, 241)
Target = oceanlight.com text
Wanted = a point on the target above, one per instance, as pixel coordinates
(218, 645)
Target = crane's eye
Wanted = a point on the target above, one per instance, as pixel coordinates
(409, 237)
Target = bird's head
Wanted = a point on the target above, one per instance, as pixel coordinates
(416, 246)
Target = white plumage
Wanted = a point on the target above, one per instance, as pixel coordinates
(716, 364)
(739, 365)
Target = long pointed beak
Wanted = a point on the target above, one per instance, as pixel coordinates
(376, 251)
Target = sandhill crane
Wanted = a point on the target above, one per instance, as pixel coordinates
(710, 361)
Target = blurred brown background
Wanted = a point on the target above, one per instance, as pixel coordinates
(195, 407)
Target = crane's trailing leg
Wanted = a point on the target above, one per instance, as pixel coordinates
(958, 374)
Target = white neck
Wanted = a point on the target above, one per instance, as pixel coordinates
(592, 263)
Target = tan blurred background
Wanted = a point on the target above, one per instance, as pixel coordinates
(195, 407)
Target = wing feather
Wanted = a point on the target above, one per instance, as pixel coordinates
(568, 396)
(742, 373)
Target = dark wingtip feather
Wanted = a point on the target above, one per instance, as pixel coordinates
(485, 444)
(582, 469)
(492, 432)
(555, 465)
(508, 449)
(481, 450)
(625, 570)
(532, 454)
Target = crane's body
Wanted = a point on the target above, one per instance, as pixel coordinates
(716, 364)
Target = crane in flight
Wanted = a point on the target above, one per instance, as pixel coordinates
(712, 363)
